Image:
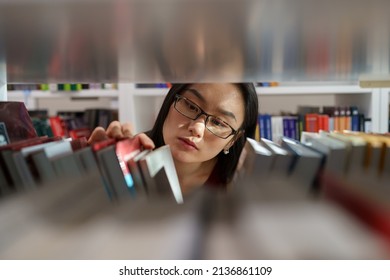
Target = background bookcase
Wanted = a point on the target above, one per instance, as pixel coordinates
(140, 106)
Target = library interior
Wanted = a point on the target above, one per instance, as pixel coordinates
(312, 182)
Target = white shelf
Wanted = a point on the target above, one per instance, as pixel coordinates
(278, 90)
(318, 89)
(150, 92)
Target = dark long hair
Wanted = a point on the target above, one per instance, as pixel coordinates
(226, 163)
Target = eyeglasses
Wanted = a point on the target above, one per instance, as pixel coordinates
(213, 124)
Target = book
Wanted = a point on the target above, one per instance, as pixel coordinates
(259, 159)
(277, 128)
(41, 160)
(355, 119)
(135, 169)
(4, 139)
(67, 165)
(336, 151)
(125, 150)
(14, 163)
(311, 122)
(283, 158)
(111, 171)
(356, 152)
(17, 121)
(58, 126)
(265, 126)
(160, 175)
(377, 158)
(113, 157)
(306, 164)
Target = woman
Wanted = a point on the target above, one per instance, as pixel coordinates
(205, 125)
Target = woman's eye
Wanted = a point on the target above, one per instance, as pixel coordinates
(191, 106)
(218, 123)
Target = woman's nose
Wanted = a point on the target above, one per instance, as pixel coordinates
(198, 126)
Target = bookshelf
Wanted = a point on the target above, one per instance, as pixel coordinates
(55, 101)
(140, 106)
(133, 101)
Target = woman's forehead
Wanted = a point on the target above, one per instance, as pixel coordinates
(217, 98)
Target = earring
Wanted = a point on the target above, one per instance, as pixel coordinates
(226, 151)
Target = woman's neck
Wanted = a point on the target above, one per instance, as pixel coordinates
(193, 175)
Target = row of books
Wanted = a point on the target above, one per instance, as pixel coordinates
(274, 217)
(312, 119)
(124, 168)
(153, 85)
(339, 153)
(74, 124)
(350, 168)
(60, 87)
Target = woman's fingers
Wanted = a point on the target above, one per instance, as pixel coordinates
(127, 130)
(114, 130)
(97, 135)
(117, 130)
(146, 142)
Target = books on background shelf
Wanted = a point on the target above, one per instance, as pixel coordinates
(153, 85)
(311, 119)
(73, 124)
(61, 87)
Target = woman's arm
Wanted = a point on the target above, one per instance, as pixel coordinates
(118, 131)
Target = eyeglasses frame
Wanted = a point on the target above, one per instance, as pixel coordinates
(202, 112)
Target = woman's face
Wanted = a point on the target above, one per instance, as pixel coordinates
(190, 140)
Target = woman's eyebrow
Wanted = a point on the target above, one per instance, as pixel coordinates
(197, 94)
(220, 110)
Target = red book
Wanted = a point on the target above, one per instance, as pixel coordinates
(311, 121)
(323, 122)
(102, 144)
(79, 133)
(16, 146)
(58, 126)
(17, 121)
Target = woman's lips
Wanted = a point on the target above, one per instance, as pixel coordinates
(188, 144)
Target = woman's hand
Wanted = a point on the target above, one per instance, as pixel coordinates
(116, 130)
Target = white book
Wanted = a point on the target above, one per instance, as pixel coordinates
(277, 128)
(159, 172)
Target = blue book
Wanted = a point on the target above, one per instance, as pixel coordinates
(355, 126)
(268, 127)
(261, 121)
(286, 131)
